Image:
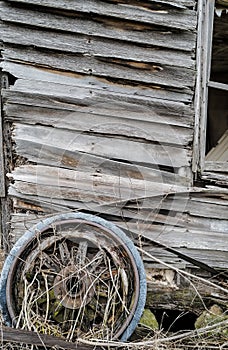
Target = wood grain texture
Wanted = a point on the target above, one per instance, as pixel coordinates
(170, 17)
(108, 67)
(114, 147)
(73, 115)
(45, 76)
(19, 336)
(2, 165)
(99, 27)
(94, 47)
(96, 111)
(102, 116)
(168, 222)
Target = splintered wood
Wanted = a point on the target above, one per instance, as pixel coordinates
(101, 105)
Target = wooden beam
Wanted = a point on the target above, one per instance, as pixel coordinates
(2, 171)
(18, 336)
(220, 86)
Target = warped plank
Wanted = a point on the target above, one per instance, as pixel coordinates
(215, 259)
(93, 115)
(185, 203)
(106, 194)
(174, 3)
(37, 75)
(181, 237)
(90, 100)
(115, 68)
(27, 110)
(108, 147)
(102, 27)
(86, 186)
(96, 95)
(85, 94)
(26, 197)
(78, 161)
(170, 18)
(19, 336)
(101, 125)
(92, 46)
(215, 177)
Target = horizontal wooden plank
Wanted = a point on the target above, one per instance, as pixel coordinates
(104, 196)
(36, 75)
(93, 193)
(84, 94)
(215, 166)
(185, 204)
(23, 109)
(218, 178)
(102, 27)
(186, 238)
(107, 125)
(98, 112)
(220, 86)
(157, 216)
(169, 17)
(22, 337)
(219, 197)
(86, 186)
(94, 47)
(108, 147)
(97, 103)
(78, 161)
(114, 68)
(175, 3)
(213, 257)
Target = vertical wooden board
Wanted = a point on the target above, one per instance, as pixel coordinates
(3, 84)
(2, 170)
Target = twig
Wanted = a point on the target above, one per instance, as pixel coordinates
(184, 272)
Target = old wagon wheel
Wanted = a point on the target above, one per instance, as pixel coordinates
(74, 275)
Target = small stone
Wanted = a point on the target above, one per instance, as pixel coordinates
(210, 317)
(149, 320)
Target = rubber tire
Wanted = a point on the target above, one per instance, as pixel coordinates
(41, 226)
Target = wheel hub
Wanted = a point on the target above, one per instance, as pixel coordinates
(74, 275)
(74, 289)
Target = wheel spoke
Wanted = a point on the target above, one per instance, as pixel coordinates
(64, 253)
(81, 253)
(79, 279)
(49, 262)
(96, 261)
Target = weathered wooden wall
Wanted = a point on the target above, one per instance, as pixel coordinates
(102, 113)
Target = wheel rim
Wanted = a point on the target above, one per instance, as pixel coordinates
(76, 278)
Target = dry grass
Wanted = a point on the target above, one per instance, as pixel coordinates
(211, 336)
